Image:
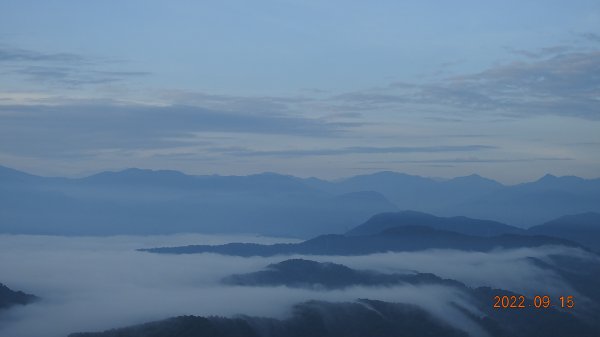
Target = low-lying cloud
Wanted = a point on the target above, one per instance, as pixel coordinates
(89, 284)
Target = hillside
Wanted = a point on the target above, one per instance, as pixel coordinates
(9, 298)
(458, 224)
(583, 228)
(301, 273)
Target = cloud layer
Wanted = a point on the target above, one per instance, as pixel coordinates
(530, 107)
(101, 283)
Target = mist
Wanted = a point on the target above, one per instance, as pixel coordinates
(91, 284)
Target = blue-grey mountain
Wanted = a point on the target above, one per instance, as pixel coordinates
(136, 201)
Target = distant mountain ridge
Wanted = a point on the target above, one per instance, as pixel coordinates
(139, 201)
(136, 201)
(458, 224)
(582, 228)
(396, 239)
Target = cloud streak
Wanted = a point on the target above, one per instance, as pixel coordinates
(74, 77)
(50, 130)
(62, 69)
(554, 81)
(471, 160)
(24, 55)
(358, 150)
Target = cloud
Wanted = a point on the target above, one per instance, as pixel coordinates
(73, 77)
(63, 129)
(356, 150)
(91, 284)
(554, 81)
(542, 52)
(262, 104)
(496, 269)
(24, 55)
(473, 160)
(62, 69)
(591, 36)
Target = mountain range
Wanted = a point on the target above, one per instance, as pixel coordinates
(137, 201)
(397, 239)
(581, 228)
(308, 319)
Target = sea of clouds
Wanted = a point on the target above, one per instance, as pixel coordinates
(98, 283)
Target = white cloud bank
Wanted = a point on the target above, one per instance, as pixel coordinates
(90, 284)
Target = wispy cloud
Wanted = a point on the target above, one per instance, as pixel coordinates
(72, 76)
(61, 69)
(24, 55)
(542, 52)
(554, 81)
(591, 36)
(471, 160)
(356, 150)
(56, 129)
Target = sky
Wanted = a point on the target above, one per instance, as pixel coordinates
(506, 89)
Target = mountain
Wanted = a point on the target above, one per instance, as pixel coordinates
(9, 298)
(520, 205)
(396, 239)
(136, 201)
(311, 319)
(415, 192)
(582, 228)
(8, 175)
(533, 203)
(365, 317)
(472, 315)
(458, 224)
(140, 201)
(300, 273)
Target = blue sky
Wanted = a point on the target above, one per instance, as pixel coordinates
(506, 89)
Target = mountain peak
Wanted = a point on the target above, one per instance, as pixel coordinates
(381, 222)
(552, 179)
(475, 179)
(548, 177)
(137, 175)
(15, 175)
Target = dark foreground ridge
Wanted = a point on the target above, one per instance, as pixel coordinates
(300, 273)
(9, 298)
(310, 319)
(364, 318)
